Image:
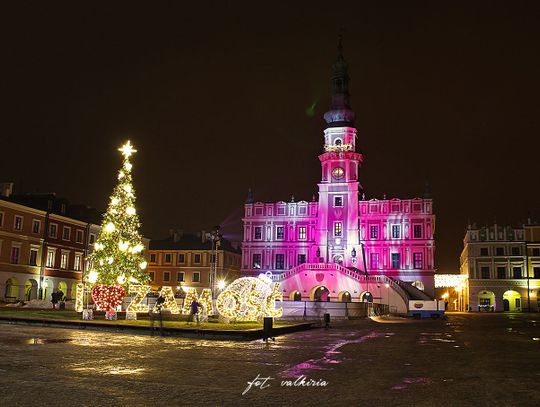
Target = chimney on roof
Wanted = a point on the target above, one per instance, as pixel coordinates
(6, 189)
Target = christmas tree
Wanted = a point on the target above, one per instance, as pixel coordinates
(117, 257)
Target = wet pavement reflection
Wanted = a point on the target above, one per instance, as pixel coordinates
(378, 362)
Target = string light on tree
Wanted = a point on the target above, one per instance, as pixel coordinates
(117, 256)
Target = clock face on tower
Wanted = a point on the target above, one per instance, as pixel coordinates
(338, 173)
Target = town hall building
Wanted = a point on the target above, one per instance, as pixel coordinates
(342, 247)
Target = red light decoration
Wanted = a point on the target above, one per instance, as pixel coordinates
(108, 297)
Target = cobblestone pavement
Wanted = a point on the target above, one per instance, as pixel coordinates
(471, 359)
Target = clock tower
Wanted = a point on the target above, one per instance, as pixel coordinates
(337, 237)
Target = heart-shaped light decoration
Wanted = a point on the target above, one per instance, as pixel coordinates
(108, 297)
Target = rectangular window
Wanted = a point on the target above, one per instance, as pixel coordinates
(516, 251)
(280, 261)
(180, 277)
(50, 258)
(280, 232)
(151, 274)
(33, 257)
(18, 223)
(166, 276)
(152, 258)
(168, 258)
(197, 259)
(485, 272)
(418, 262)
(501, 272)
(302, 233)
(536, 251)
(396, 231)
(417, 231)
(374, 232)
(64, 258)
(396, 260)
(256, 260)
(92, 238)
(53, 230)
(66, 233)
(79, 236)
(536, 271)
(1, 219)
(374, 261)
(36, 225)
(15, 252)
(517, 272)
(484, 251)
(196, 277)
(258, 233)
(338, 201)
(181, 258)
(338, 229)
(77, 263)
(499, 251)
(301, 258)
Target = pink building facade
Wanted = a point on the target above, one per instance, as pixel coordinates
(331, 248)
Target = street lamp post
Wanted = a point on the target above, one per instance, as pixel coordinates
(215, 237)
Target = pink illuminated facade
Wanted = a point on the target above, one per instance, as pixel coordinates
(334, 247)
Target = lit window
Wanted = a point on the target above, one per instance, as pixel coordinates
(338, 229)
(418, 262)
(374, 261)
(18, 223)
(256, 260)
(64, 258)
(77, 262)
(302, 233)
(396, 231)
(50, 258)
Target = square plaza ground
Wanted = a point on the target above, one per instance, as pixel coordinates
(468, 360)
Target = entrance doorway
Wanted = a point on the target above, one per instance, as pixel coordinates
(511, 301)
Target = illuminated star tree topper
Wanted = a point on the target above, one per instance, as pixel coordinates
(117, 256)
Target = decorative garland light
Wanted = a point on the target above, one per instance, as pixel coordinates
(249, 299)
(108, 297)
(79, 295)
(205, 300)
(170, 301)
(450, 280)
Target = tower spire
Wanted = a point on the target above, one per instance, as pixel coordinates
(340, 113)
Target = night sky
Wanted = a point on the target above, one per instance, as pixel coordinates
(222, 96)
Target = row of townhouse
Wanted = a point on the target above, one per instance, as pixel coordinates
(43, 247)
